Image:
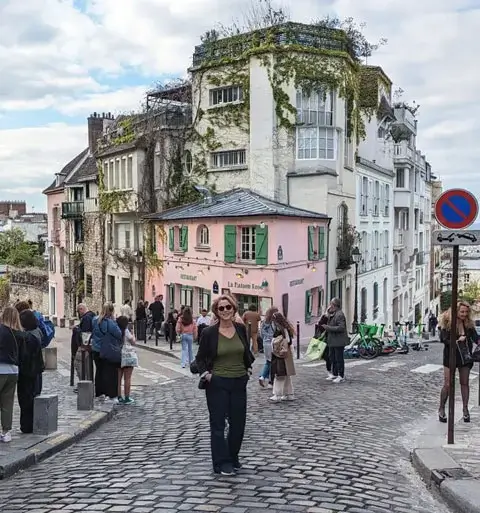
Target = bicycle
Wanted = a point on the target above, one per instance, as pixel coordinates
(366, 342)
(397, 343)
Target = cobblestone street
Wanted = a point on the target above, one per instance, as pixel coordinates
(337, 448)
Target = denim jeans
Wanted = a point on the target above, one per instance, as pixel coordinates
(226, 399)
(187, 349)
(265, 374)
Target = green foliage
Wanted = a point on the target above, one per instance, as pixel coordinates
(471, 292)
(445, 300)
(126, 132)
(4, 290)
(17, 252)
(180, 187)
(153, 234)
(110, 201)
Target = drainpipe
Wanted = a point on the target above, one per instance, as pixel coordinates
(327, 292)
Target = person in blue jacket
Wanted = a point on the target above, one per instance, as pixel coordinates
(106, 350)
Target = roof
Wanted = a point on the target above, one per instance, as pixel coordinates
(86, 170)
(65, 172)
(234, 203)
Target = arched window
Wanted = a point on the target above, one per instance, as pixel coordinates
(203, 236)
(188, 162)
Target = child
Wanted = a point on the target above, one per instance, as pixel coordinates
(129, 361)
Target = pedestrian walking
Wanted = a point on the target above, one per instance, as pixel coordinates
(337, 339)
(187, 330)
(203, 321)
(10, 336)
(157, 311)
(129, 360)
(31, 366)
(466, 337)
(141, 321)
(170, 326)
(283, 367)
(126, 310)
(224, 361)
(106, 349)
(267, 331)
(252, 319)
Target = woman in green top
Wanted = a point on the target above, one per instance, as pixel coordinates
(224, 360)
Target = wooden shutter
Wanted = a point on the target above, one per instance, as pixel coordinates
(321, 242)
(261, 245)
(230, 243)
(184, 238)
(311, 245)
(308, 314)
(171, 239)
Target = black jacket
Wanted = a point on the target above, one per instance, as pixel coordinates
(11, 345)
(86, 321)
(207, 350)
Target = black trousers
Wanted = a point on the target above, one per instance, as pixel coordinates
(106, 377)
(328, 360)
(26, 391)
(226, 399)
(338, 361)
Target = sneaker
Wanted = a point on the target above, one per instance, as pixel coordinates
(288, 398)
(128, 400)
(330, 377)
(338, 379)
(270, 386)
(6, 437)
(237, 465)
(261, 382)
(275, 398)
(227, 470)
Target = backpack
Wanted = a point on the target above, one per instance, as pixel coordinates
(47, 328)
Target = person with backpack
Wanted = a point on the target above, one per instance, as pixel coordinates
(31, 366)
(283, 367)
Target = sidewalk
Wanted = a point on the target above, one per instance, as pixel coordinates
(26, 450)
(453, 470)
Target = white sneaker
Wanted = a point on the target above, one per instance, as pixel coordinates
(275, 398)
(330, 377)
(269, 386)
(338, 379)
(288, 398)
(6, 437)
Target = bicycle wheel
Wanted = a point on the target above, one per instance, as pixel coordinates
(368, 350)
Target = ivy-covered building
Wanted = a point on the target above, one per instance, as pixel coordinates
(278, 111)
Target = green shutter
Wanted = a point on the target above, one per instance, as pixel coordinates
(311, 245)
(261, 245)
(321, 242)
(171, 239)
(184, 238)
(308, 313)
(230, 243)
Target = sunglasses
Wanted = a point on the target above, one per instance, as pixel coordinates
(226, 307)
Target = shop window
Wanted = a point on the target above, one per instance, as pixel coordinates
(316, 242)
(203, 236)
(178, 238)
(204, 300)
(314, 299)
(252, 243)
(186, 296)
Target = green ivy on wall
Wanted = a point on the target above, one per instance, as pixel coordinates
(110, 201)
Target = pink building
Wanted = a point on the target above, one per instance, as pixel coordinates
(263, 252)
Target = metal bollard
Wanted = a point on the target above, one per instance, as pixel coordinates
(298, 340)
(84, 370)
(249, 334)
(72, 371)
(171, 334)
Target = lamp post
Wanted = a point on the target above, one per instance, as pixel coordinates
(356, 257)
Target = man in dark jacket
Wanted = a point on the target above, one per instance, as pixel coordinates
(337, 339)
(79, 343)
(158, 314)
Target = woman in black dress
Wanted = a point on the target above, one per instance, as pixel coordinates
(466, 337)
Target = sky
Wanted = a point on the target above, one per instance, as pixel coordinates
(61, 60)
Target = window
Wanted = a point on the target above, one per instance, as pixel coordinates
(106, 175)
(126, 293)
(52, 259)
(178, 238)
(364, 197)
(204, 300)
(78, 231)
(386, 255)
(122, 236)
(123, 173)
(111, 288)
(225, 159)
(62, 261)
(89, 285)
(117, 174)
(376, 198)
(400, 178)
(375, 300)
(308, 306)
(247, 243)
(229, 94)
(316, 243)
(363, 305)
(375, 250)
(386, 211)
(466, 277)
(186, 296)
(316, 135)
(127, 238)
(203, 236)
(130, 172)
(111, 175)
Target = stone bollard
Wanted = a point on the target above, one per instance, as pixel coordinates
(62, 322)
(85, 395)
(45, 414)
(50, 358)
(71, 323)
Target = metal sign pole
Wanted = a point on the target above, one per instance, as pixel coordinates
(453, 347)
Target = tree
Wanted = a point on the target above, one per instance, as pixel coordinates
(471, 292)
(17, 252)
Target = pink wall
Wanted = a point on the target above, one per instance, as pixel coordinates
(55, 278)
(292, 275)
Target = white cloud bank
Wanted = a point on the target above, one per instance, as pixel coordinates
(50, 53)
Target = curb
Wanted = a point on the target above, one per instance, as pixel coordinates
(158, 350)
(23, 459)
(459, 489)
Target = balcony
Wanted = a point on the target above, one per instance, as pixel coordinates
(399, 240)
(403, 152)
(72, 209)
(402, 198)
(405, 120)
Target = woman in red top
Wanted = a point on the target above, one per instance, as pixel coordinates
(187, 329)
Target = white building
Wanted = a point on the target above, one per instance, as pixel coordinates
(33, 226)
(289, 143)
(375, 179)
(413, 215)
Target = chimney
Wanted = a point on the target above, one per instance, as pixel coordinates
(95, 131)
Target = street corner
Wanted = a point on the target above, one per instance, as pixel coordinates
(28, 450)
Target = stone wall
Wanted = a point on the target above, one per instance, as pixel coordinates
(93, 255)
(30, 284)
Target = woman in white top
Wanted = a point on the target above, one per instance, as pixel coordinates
(129, 361)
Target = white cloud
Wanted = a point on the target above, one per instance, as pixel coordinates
(50, 54)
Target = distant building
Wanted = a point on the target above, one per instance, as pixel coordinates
(34, 226)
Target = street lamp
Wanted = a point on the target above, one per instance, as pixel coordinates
(356, 258)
